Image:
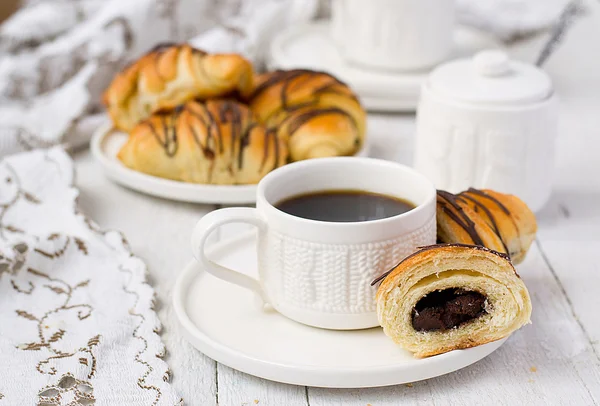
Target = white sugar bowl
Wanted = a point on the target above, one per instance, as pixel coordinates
(488, 122)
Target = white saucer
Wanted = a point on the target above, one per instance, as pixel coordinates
(310, 46)
(225, 322)
(106, 143)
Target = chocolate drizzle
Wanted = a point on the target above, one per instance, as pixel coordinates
(331, 88)
(287, 76)
(213, 130)
(206, 149)
(487, 196)
(448, 202)
(228, 113)
(497, 202)
(299, 120)
(169, 140)
(435, 246)
(302, 75)
(244, 143)
(270, 136)
(456, 244)
(479, 205)
(276, 143)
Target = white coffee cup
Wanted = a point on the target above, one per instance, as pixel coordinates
(319, 273)
(393, 34)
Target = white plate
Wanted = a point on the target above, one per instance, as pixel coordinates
(106, 143)
(225, 322)
(310, 46)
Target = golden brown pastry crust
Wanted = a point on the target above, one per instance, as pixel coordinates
(453, 266)
(313, 111)
(217, 142)
(170, 75)
(483, 217)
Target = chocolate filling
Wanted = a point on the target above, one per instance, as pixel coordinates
(446, 309)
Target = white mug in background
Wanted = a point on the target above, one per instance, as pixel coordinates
(319, 273)
(393, 34)
(490, 123)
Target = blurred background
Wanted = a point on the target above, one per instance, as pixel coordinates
(55, 53)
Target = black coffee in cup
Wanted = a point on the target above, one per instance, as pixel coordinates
(344, 206)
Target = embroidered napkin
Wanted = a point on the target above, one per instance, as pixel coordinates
(76, 320)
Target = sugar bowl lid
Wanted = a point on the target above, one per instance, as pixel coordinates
(490, 77)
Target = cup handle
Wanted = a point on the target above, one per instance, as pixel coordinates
(212, 221)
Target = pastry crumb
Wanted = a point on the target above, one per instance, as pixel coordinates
(409, 385)
(256, 401)
(533, 369)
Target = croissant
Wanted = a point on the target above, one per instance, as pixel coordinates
(451, 296)
(217, 142)
(170, 75)
(315, 113)
(494, 220)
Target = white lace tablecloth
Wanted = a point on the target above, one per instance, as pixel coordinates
(77, 325)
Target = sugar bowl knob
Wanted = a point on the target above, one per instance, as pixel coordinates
(492, 63)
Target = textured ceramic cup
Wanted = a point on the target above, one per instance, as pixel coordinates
(319, 273)
(393, 34)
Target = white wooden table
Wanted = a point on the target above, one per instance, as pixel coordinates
(554, 361)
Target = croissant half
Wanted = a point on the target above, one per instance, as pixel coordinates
(315, 113)
(494, 220)
(217, 142)
(452, 296)
(170, 75)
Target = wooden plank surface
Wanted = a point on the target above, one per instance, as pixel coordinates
(568, 235)
(238, 388)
